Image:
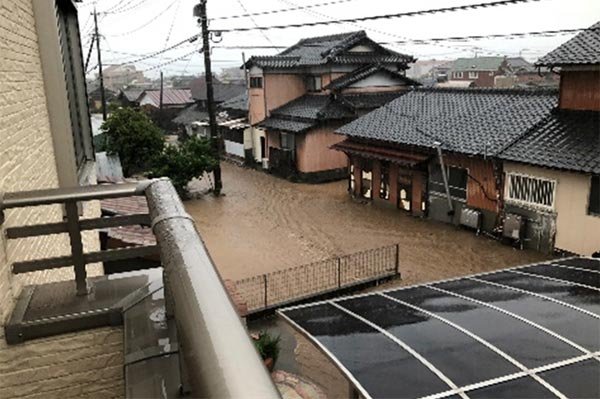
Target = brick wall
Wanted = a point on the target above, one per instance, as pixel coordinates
(27, 162)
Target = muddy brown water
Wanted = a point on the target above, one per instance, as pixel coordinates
(264, 223)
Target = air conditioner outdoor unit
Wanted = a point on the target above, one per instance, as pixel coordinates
(471, 218)
(514, 227)
(265, 163)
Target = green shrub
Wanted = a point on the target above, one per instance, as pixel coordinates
(184, 162)
(134, 137)
(268, 346)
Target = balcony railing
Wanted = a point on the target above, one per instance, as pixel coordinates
(219, 357)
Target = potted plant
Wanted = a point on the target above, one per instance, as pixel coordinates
(268, 347)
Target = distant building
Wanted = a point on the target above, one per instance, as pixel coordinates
(95, 99)
(480, 70)
(171, 98)
(118, 76)
(434, 70)
(527, 74)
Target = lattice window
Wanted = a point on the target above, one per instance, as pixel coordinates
(530, 191)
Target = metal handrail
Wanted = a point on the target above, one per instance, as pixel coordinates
(219, 358)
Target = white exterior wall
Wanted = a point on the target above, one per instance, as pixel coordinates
(234, 148)
(576, 230)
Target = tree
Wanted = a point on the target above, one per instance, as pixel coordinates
(185, 162)
(134, 137)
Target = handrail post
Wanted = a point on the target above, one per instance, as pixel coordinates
(397, 259)
(266, 289)
(339, 271)
(76, 247)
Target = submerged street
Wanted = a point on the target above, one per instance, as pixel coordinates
(264, 223)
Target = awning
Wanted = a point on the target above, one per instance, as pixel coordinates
(409, 159)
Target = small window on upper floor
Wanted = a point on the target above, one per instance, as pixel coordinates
(473, 75)
(314, 83)
(256, 82)
(458, 75)
(594, 201)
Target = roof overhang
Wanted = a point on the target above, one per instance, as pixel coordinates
(405, 158)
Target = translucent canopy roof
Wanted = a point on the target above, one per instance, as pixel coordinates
(526, 332)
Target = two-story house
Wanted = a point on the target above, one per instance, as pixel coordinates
(552, 174)
(480, 71)
(299, 97)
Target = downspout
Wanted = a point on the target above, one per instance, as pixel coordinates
(438, 146)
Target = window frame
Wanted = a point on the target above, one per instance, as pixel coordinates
(527, 203)
(453, 189)
(594, 180)
(473, 75)
(384, 185)
(458, 75)
(311, 83)
(256, 82)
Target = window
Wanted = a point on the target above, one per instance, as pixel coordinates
(458, 75)
(256, 83)
(384, 189)
(530, 191)
(473, 75)
(352, 181)
(594, 202)
(287, 141)
(367, 178)
(72, 60)
(313, 83)
(457, 181)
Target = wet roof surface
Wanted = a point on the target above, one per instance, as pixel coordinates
(583, 49)
(531, 331)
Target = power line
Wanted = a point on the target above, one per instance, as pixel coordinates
(262, 32)
(125, 8)
(269, 12)
(147, 23)
(384, 16)
(170, 62)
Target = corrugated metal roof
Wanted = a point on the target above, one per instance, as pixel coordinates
(170, 97)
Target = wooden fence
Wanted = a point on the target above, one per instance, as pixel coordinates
(298, 283)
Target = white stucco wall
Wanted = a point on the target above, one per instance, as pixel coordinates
(576, 230)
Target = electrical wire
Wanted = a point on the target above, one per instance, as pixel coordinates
(262, 32)
(170, 62)
(147, 23)
(384, 16)
(124, 8)
(270, 12)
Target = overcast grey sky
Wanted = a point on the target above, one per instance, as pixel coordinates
(144, 26)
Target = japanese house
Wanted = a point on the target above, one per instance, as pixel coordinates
(396, 152)
(553, 172)
(481, 71)
(66, 329)
(171, 99)
(299, 97)
(235, 130)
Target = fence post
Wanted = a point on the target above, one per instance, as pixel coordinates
(398, 259)
(339, 271)
(76, 247)
(266, 289)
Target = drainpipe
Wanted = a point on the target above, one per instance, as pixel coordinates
(438, 145)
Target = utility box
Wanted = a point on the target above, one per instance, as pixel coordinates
(514, 227)
(471, 218)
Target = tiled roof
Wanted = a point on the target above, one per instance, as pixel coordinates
(286, 125)
(565, 139)
(170, 96)
(364, 72)
(322, 50)
(470, 121)
(190, 114)
(237, 103)
(312, 107)
(521, 65)
(362, 101)
(130, 235)
(478, 64)
(581, 50)
(132, 94)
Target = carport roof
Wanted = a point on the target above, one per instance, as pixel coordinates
(529, 331)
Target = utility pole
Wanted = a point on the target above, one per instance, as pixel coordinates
(102, 96)
(200, 11)
(161, 92)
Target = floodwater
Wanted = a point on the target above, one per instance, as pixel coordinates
(264, 223)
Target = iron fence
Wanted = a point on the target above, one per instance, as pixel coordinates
(286, 286)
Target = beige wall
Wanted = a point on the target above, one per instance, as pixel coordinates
(28, 162)
(313, 153)
(281, 89)
(576, 231)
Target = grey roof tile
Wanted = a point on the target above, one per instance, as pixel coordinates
(364, 72)
(237, 103)
(190, 114)
(565, 139)
(322, 50)
(470, 121)
(580, 50)
(288, 125)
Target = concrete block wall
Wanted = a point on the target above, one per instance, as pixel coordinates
(27, 162)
